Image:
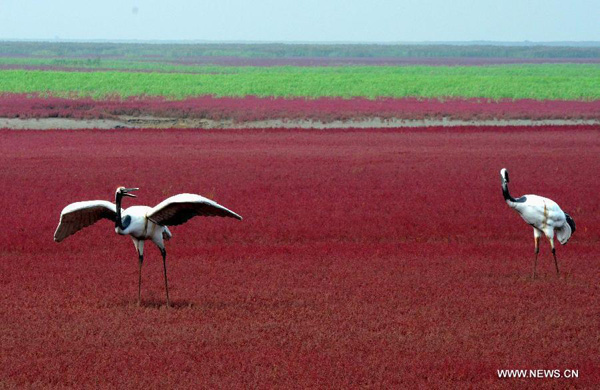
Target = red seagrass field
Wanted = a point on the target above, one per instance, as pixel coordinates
(372, 258)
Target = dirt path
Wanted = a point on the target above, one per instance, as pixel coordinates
(164, 123)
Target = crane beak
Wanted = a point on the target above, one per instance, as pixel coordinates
(127, 190)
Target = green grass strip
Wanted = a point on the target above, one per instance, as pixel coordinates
(541, 82)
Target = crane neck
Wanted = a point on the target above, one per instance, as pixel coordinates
(506, 193)
(118, 222)
(512, 202)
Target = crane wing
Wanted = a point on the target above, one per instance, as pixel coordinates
(180, 208)
(78, 215)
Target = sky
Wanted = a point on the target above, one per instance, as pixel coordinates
(383, 21)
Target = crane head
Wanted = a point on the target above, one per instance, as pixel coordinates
(504, 175)
(126, 191)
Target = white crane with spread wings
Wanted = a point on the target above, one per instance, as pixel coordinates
(140, 222)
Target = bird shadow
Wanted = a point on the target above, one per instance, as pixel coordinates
(151, 303)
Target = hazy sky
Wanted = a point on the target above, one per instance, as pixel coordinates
(302, 20)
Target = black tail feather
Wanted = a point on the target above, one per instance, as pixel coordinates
(571, 222)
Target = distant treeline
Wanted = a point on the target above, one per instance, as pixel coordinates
(279, 50)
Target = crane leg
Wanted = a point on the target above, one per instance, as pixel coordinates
(141, 259)
(554, 254)
(536, 239)
(139, 246)
(164, 256)
(537, 250)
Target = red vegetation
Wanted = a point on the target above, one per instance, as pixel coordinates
(309, 61)
(375, 61)
(253, 108)
(366, 258)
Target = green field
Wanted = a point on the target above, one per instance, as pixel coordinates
(523, 81)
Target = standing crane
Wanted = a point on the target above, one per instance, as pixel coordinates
(140, 222)
(544, 215)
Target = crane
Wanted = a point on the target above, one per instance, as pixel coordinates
(141, 223)
(544, 215)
